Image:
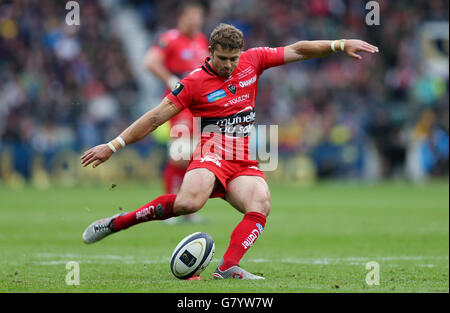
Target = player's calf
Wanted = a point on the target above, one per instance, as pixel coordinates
(242, 238)
(160, 208)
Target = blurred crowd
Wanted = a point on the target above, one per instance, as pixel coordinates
(63, 87)
(71, 87)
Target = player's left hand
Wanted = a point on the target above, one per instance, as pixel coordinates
(353, 46)
(97, 154)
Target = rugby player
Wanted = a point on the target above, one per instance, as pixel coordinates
(220, 165)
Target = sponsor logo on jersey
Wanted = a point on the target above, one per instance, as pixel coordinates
(244, 117)
(178, 87)
(216, 95)
(232, 89)
(238, 100)
(248, 82)
(237, 125)
(237, 130)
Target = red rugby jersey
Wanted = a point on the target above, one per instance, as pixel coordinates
(226, 105)
(182, 54)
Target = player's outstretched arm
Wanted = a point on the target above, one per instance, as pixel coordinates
(135, 132)
(303, 50)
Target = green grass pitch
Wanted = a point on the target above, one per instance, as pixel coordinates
(318, 238)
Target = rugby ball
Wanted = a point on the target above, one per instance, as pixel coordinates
(192, 255)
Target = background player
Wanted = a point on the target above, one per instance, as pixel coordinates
(238, 181)
(176, 53)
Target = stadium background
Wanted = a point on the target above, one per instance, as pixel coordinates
(66, 88)
(363, 149)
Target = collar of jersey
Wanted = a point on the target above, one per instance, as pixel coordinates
(208, 68)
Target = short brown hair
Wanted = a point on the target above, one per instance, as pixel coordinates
(227, 36)
(187, 4)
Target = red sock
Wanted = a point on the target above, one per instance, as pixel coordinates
(159, 209)
(242, 238)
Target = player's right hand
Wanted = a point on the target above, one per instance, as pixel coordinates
(353, 46)
(97, 154)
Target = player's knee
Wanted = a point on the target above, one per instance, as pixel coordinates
(264, 203)
(187, 205)
(262, 206)
(266, 207)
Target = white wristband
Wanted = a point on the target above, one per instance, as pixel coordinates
(342, 44)
(332, 46)
(111, 146)
(121, 141)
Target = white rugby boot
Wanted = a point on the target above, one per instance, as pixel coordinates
(234, 272)
(100, 229)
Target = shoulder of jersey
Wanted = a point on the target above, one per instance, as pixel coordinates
(247, 52)
(195, 78)
(196, 74)
(245, 55)
(171, 34)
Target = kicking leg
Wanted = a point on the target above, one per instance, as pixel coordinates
(160, 208)
(195, 190)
